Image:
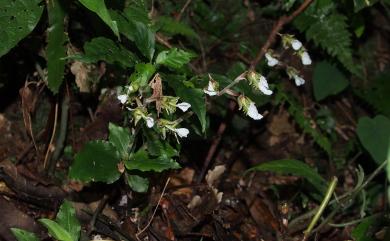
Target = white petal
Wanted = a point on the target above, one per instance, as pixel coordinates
(253, 113)
(298, 80)
(122, 98)
(184, 106)
(271, 61)
(210, 93)
(296, 44)
(263, 86)
(149, 121)
(210, 89)
(182, 132)
(305, 57)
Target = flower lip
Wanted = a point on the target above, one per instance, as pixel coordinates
(298, 80)
(122, 98)
(210, 89)
(182, 132)
(149, 121)
(305, 57)
(253, 112)
(263, 86)
(184, 106)
(271, 61)
(296, 44)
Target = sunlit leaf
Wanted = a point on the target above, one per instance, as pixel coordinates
(142, 162)
(56, 230)
(174, 58)
(23, 235)
(138, 183)
(120, 137)
(143, 72)
(66, 218)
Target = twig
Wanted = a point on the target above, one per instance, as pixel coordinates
(283, 20)
(235, 81)
(183, 10)
(98, 210)
(52, 136)
(155, 210)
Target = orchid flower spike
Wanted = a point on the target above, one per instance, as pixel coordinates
(249, 107)
(271, 60)
(259, 81)
(122, 98)
(184, 106)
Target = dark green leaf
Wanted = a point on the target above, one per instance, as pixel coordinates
(17, 19)
(141, 161)
(56, 45)
(137, 12)
(105, 49)
(143, 72)
(120, 137)
(144, 39)
(296, 168)
(362, 231)
(327, 80)
(174, 58)
(97, 161)
(56, 230)
(374, 134)
(66, 218)
(99, 7)
(193, 96)
(23, 235)
(173, 27)
(360, 4)
(138, 183)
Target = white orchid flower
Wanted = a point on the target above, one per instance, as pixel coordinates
(149, 121)
(298, 80)
(211, 90)
(253, 112)
(305, 58)
(184, 106)
(122, 98)
(271, 61)
(296, 44)
(182, 132)
(263, 86)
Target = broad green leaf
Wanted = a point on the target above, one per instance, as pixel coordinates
(374, 134)
(137, 12)
(142, 162)
(105, 49)
(360, 4)
(174, 58)
(144, 39)
(159, 148)
(120, 137)
(362, 231)
(296, 168)
(23, 235)
(99, 7)
(143, 72)
(138, 183)
(193, 96)
(173, 27)
(327, 80)
(17, 19)
(56, 45)
(97, 162)
(66, 218)
(56, 230)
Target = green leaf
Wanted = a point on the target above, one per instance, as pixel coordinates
(97, 161)
(56, 230)
(142, 162)
(107, 50)
(138, 183)
(327, 80)
(99, 7)
(362, 231)
(173, 27)
(23, 235)
(137, 12)
(360, 4)
(296, 168)
(144, 39)
(56, 45)
(120, 137)
(143, 72)
(17, 19)
(174, 58)
(66, 218)
(193, 96)
(374, 134)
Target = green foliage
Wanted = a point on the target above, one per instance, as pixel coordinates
(362, 231)
(143, 72)
(99, 7)
(328, 28)
(138, 183)
(374, 134)
(66, 218)
(172, 27)
(96, 161)
(144, 39)
(56, 230)
(142, 162)
(101, 48)
(17, 19)
(120, 137)
(56, 45)
(361, 4)
(327, 80)
(296, 168)
(297, 112)
(23, 235)
(174, 58)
